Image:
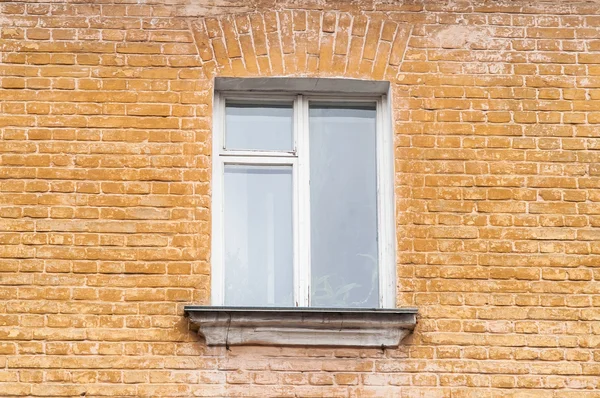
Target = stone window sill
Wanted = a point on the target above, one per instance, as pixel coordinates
(231, 326)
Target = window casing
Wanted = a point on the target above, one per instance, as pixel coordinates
(236, 162)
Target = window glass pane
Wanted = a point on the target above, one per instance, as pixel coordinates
(343, 203)
(259, 127)
(258, 235)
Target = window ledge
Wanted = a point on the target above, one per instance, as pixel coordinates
(231, 326)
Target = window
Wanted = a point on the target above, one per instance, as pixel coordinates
(302, 200)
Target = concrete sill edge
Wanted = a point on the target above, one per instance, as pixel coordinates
(339, 327)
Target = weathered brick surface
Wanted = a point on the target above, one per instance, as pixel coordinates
(105, 123)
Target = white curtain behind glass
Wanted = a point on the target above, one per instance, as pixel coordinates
(343, 203)
(258, 235)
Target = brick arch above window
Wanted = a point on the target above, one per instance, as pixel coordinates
(301, 43)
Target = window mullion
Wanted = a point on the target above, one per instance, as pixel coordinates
(303, 198)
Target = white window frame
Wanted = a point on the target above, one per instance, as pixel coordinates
(299, 159)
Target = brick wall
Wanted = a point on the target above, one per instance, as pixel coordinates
(105, 123)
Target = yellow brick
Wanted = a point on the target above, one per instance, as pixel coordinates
(105, 126)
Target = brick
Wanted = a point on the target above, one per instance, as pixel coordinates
(105, 126)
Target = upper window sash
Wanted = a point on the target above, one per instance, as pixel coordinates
(239, 98)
